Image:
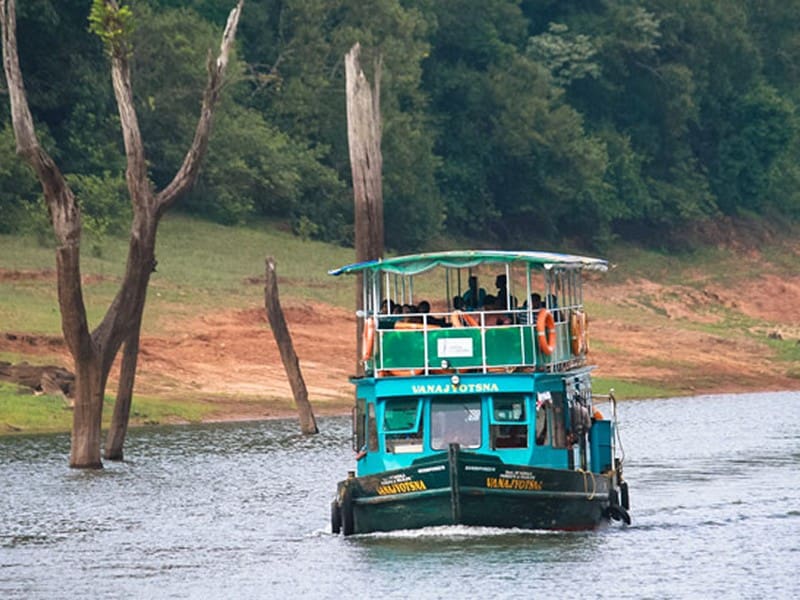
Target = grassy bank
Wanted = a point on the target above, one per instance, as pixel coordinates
(23, 412)
(205, 268)
(201, 266)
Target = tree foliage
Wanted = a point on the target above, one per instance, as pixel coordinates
(505, 122)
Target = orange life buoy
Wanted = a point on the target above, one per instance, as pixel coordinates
(585, 332)
(576, 334)
(546, 332)
(368, 340)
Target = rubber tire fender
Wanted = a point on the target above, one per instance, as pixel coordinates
(336, 518)
(346, 513)
(625, 497)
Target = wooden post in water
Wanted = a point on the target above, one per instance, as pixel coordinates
(288, 356)
(366, 164)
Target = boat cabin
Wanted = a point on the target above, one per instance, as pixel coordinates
(485, 349)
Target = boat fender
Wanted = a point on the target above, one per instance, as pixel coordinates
(368, 340)
(336, 518)
(623, 490)
(346, 512)
(618, 513)
(546, 332)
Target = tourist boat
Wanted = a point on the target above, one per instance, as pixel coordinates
(475, 407)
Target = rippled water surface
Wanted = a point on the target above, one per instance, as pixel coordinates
(242, 511)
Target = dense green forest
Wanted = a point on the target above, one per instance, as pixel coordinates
(504, 120)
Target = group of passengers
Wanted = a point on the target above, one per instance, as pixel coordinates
(474, 298)
(409, 313)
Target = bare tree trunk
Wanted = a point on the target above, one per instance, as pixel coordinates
(94, 353)
(283, 338)
(366, 164)
(117, 431)
(87, 415)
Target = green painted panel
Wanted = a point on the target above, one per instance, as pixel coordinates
(461, 347)
(402, 349)
(503, 346)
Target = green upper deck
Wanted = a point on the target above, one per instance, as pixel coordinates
(471, 330)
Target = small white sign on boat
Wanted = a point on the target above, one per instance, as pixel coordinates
(454, 347)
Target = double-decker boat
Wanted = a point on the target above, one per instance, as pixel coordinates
(475, 407)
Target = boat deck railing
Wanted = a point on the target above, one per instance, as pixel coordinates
(478, 341)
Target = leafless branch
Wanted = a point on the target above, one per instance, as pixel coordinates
(187, 173)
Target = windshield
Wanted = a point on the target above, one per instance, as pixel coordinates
(456, 421)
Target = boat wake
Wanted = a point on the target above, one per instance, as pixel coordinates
(455, 531)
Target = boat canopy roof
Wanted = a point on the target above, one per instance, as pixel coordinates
(414, 264)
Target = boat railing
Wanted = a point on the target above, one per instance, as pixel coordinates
(477, 341)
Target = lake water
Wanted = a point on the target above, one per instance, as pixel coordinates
(242, 511)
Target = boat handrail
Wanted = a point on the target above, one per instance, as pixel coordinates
(496, 349)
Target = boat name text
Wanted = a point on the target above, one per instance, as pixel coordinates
(513, 484)
(449, 388)
(401, 487)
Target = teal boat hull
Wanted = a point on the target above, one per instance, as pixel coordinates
(468, 488)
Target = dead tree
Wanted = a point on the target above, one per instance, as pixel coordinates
(283, 338)
(94, 352)
(366, 164)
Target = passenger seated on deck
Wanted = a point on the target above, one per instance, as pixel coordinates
(395, 310)
(424, 308)
(552, 302)
(387, 308)
(475, 296)
(503, 299)
(535, 304)
(493, 305)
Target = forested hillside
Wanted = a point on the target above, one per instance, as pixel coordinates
(504, 120)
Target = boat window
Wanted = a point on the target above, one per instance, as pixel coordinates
(559, 421)
(401, 414)
(508, 407)
(372, 428)
(359, 424)
(508, 411)
(509, 436)
(401, 422)
(544, 416)
(550, 420)
(456, 421)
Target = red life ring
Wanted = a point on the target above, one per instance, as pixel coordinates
(546, 332)
(368, 339)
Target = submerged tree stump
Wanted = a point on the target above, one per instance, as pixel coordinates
(283, 338)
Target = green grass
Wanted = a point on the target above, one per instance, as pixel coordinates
(699, 267)
(200, 265)
(632, 390)
(204, 266)
(21, 411)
